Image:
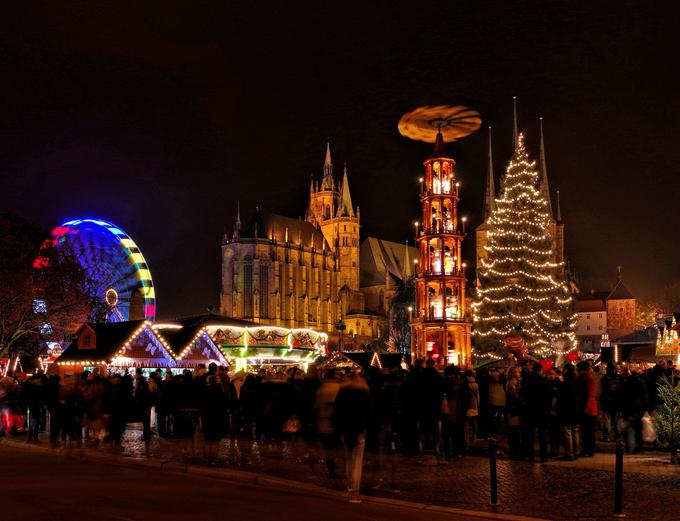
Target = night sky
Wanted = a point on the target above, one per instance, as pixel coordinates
(160, 116)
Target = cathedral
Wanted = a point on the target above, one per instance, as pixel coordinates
(313, 273)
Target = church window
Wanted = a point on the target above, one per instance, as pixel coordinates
(587, 317)
(264, 291)
(248, 290)
(344, 228)
(587, 328)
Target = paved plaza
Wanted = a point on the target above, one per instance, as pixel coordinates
(558, 490)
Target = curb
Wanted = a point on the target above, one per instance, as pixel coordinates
(242, 477)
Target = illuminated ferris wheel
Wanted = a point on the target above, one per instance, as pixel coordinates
(117, 273)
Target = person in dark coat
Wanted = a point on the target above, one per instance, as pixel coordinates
(142, 402)
(54, 408)
(115, 407)
(535, 394)
(635, 402)
(568, 411)
(213, 417)
(32, 396)
(351, 416)
(164, 404)
(429, 385)
(588, 404)
(554, 419)
(454, 407)
(610, 401)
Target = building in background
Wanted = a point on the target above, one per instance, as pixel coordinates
(312, 273)
(604, 312)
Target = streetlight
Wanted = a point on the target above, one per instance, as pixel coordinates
(464, 219)
(415, 225)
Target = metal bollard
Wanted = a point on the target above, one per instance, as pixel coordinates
(618, 480)
(493, 481)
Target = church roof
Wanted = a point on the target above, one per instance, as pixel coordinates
(274, 226)
(590, 305)
(620, 292)
(379, 256)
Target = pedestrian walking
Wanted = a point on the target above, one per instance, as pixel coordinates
(351, 416)
(588, 408)
(568, 411)
(535, 394)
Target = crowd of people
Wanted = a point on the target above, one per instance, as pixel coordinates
(420, 411)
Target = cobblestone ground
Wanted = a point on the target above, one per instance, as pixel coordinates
(557, 490)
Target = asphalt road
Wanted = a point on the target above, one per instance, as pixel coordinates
(35, 486)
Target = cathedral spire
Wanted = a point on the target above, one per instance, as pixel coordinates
(515, 131)
(328, 168)
(345, 206)
(490, 196)
(237, 224)
(544, 187)
(406, 271)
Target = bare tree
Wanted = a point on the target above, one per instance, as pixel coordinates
(43, 290)
(398, 315)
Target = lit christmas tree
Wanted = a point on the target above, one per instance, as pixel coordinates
(521, 292)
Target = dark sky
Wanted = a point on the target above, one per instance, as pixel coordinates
(160, 116)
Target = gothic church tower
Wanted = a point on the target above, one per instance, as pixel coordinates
(330, 210)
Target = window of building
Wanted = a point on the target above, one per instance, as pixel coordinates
(247, 290)
(264, 291)
(621, 309)
(587, 328)
(599, 327)
(344, 228)
(587, 317)
(600, 315)
(87, 340)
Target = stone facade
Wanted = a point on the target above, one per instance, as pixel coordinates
(303, 273)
